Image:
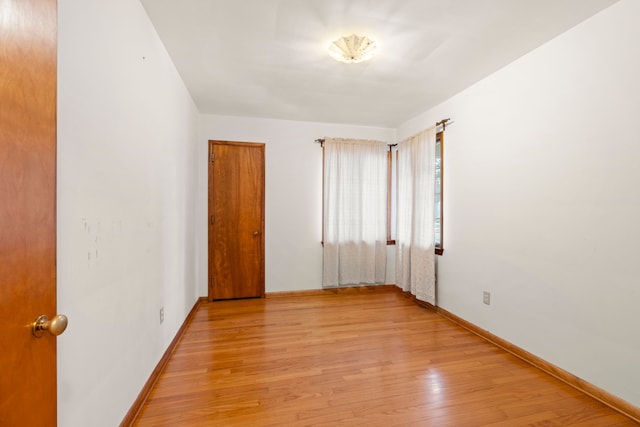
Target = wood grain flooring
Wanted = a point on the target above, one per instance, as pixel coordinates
(352, 359)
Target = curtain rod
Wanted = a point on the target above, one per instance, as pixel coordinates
(442, 122)
(321, 141)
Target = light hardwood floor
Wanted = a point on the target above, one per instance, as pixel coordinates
(351, 359)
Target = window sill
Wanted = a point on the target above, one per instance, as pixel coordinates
(438, 251)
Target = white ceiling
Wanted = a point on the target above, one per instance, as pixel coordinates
(267, 58)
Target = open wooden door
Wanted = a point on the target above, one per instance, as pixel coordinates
(28, 32)
(236, 220)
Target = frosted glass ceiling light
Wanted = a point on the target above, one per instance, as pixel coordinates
(352, 49)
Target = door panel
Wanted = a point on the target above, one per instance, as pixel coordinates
(236, 220)
(27, 210)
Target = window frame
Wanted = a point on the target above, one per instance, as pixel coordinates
(390, 192)
(439, 248)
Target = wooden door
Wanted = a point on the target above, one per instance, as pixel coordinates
(27, 210)
(236, 220)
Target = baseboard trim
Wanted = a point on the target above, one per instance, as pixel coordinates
(614, 402)
(332, 291)
(137, 405)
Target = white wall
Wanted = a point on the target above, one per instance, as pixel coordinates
(542, 201)
(126, 190)
(293, 217)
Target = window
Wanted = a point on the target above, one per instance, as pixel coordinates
(438, 193)
(392, 162)
(355, 182)
(438, 205)
(391, 194)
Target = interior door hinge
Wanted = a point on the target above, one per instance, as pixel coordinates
(211, 157)
(211, 219)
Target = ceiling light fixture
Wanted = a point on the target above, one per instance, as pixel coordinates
(352, 49)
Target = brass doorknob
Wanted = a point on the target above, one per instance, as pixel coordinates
(255, 233)
(55, 326)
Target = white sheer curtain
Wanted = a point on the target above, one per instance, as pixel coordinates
(415, 263)
(355, 212)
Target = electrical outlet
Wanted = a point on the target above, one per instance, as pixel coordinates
(486, 297)
(161, 314)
